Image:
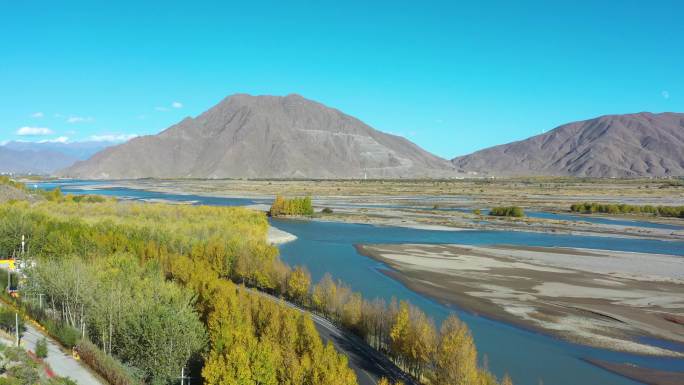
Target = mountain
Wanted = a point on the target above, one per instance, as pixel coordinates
(78, 150)
(41, 162)
(248, 136)
(44, 158)
(633, 145)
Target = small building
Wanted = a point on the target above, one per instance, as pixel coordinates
(8, 264)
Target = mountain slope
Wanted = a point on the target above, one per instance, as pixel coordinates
(633, 145)
(33, 161)
(265, 137)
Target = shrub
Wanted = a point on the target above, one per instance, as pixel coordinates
(106, 366)
(327, 210)
(477, 212)
(42, 348)
(511, 211)
(65, 334)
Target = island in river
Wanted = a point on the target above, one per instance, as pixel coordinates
(596, 297)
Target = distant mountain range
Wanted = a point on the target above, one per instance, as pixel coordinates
(248, 136)
(632, 145)
(45, 158)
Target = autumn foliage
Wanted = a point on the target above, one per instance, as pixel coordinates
(294, 206)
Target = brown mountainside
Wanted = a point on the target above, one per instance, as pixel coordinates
(248, 136)
(632, 145)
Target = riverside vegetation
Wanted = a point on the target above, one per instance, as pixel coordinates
(607, 208)
(145, 289)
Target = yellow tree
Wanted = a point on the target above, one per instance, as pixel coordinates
(351, 312)
(324, 294)
(400, 333)
(455, 361)
(278, 206)
(422, 341)
(298, 284)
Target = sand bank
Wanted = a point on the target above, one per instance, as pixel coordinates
(595, 297)
(276, 236)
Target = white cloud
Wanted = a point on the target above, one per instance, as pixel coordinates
(175, 105)
(37, 114)
(34, 131)
(79, 119)
(61, 139)
(666, 94)
(112, 137)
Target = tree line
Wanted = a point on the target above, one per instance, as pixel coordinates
(403, 332)
(612, 208)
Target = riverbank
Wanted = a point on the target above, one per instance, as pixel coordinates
(600, 298)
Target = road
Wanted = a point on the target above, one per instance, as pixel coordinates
(368, 364)
(63, 364)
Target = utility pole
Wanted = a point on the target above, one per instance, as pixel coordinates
(16, 326)
(183, 377)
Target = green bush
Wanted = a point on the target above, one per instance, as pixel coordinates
(477, 212)
(65, 334)
(510, 211)
(327, 210)
(42, 348)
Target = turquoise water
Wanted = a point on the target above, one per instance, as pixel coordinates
(529, 357)
(78, 187)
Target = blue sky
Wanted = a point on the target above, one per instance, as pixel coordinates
(452, 76)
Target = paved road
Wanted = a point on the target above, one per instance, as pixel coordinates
(63, 364)
(368, 363)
